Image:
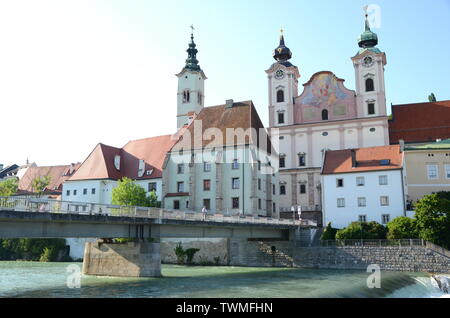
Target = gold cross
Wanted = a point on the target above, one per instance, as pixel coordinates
(281, 30)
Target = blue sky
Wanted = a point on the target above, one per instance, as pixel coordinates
(75, 73)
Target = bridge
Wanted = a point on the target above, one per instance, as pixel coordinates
(22, 217)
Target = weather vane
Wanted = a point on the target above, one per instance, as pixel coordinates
(365, 10)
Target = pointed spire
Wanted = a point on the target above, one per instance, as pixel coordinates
(192, 62)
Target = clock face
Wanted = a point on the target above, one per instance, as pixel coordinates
(279, 74)
(368, 61)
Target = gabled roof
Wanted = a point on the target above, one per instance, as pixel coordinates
(58, 174)
(100, 163)
(363, 159)
(420, 122)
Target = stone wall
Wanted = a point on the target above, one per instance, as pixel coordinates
(130, 259)
(390, 258)
(261, 253)
(209, 249)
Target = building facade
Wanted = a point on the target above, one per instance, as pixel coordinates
(325, 116)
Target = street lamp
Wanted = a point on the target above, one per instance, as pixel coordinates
(293, 213)
(299, 211)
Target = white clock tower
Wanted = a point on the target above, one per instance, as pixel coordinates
(283, 86)
(369, 65)
(191, 87)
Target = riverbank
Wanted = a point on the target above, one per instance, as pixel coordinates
(35, 279)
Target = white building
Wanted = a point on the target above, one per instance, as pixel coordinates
(325, 116)
(365, 184)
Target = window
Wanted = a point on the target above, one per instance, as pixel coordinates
(281, 118)
(385, 218)
(186, 96)
(282, 162)
(180, 168)
(235, 183)
(361, 202)
(152, 186)
(84, 191)
(324, 114)
(383, 180)
(206, 167)
(362, 218)
(303, 188)
(259, 184)
(280, 96)
(281, 137)
(339, 183)
(360, 181)
(259, 204)
(447, 171)
(93, 191)
(259, 165)
(206, 185)
(207, 203)
(369, 85)
(74, 192)
(235, 164)
(372, 129)
(187, 204)
(235, 203)
(68, 192)
(273, 207)
(180, 186)
(371, 109)
(273, 189)
(301, 160)
(282, 190)
(176, 204)
(384, 200)
(340, 202)
(199, 97)
(432, 171)
(325, 133)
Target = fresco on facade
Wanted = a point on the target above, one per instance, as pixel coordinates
(325, 91)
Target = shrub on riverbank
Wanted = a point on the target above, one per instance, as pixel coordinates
(329, 233)
(44, 250)
(362, 230)
(402, 227)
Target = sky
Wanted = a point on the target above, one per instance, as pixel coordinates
(77, 73)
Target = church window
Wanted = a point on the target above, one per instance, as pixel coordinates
(280, 96)
(371, 108)
(324, 114)
(369, 85)
(186, 96)
(199, 98)
(281, 118)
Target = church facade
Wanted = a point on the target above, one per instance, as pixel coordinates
(324, 116)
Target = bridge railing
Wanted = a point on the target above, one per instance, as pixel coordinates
(35, 204)
(367, 242)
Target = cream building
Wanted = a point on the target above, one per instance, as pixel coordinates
(427, 168)
(325, 116)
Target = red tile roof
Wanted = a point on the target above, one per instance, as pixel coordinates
(58, 174)
(362, 159)
(100, 163)
(420, 122)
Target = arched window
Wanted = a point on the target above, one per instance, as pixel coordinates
(280, 96)
(324, 114)
(369, 85)
(186, 96)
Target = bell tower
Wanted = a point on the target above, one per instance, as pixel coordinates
(283, 86)
(191, 87)
(369, 64)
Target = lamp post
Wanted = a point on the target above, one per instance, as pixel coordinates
(299, 211)
(293, 213)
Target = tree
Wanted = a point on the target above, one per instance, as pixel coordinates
(433, 218)
(39, 184)
(329, 233)
(431, 98)
(402, 227)
(8, 187)
(362, 230)
(129, 193)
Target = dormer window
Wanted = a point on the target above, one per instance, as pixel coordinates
(117, 162)
(280, 96)
(369, 85)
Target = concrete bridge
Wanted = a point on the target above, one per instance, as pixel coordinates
(40, 218)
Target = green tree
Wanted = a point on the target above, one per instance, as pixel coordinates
(431, 98)
(433, 218)
(329, 233)
(129, 193)
(8, 187)
(402, 227)
(39, 184)
(362, 230)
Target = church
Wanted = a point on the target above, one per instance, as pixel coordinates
(324, 116)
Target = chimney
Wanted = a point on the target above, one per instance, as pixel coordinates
(401, 142)
(228, 103)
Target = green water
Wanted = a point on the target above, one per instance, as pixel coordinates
(34, 279)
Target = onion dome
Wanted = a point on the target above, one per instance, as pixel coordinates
(367, 39)
(282, 53)
(191, 61)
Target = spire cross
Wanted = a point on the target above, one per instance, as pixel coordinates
(192, 28)
(281, 30)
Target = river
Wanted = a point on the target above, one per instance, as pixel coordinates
(34, 279)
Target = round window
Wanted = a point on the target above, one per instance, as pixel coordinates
(324, 133)
(372, 129)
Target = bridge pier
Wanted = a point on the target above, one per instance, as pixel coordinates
(134, 259)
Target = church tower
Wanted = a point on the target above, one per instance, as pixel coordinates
(191, 87)
(369, 65)
(283, 86)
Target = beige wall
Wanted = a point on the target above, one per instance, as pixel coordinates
(417, 180)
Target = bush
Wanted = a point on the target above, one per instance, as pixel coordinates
(185, 255)
(179, 253)
(123, 240)
(362, 230)
(190, 252)
(31, 249)
(329, 233)
(402, 227)
(48, 255)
